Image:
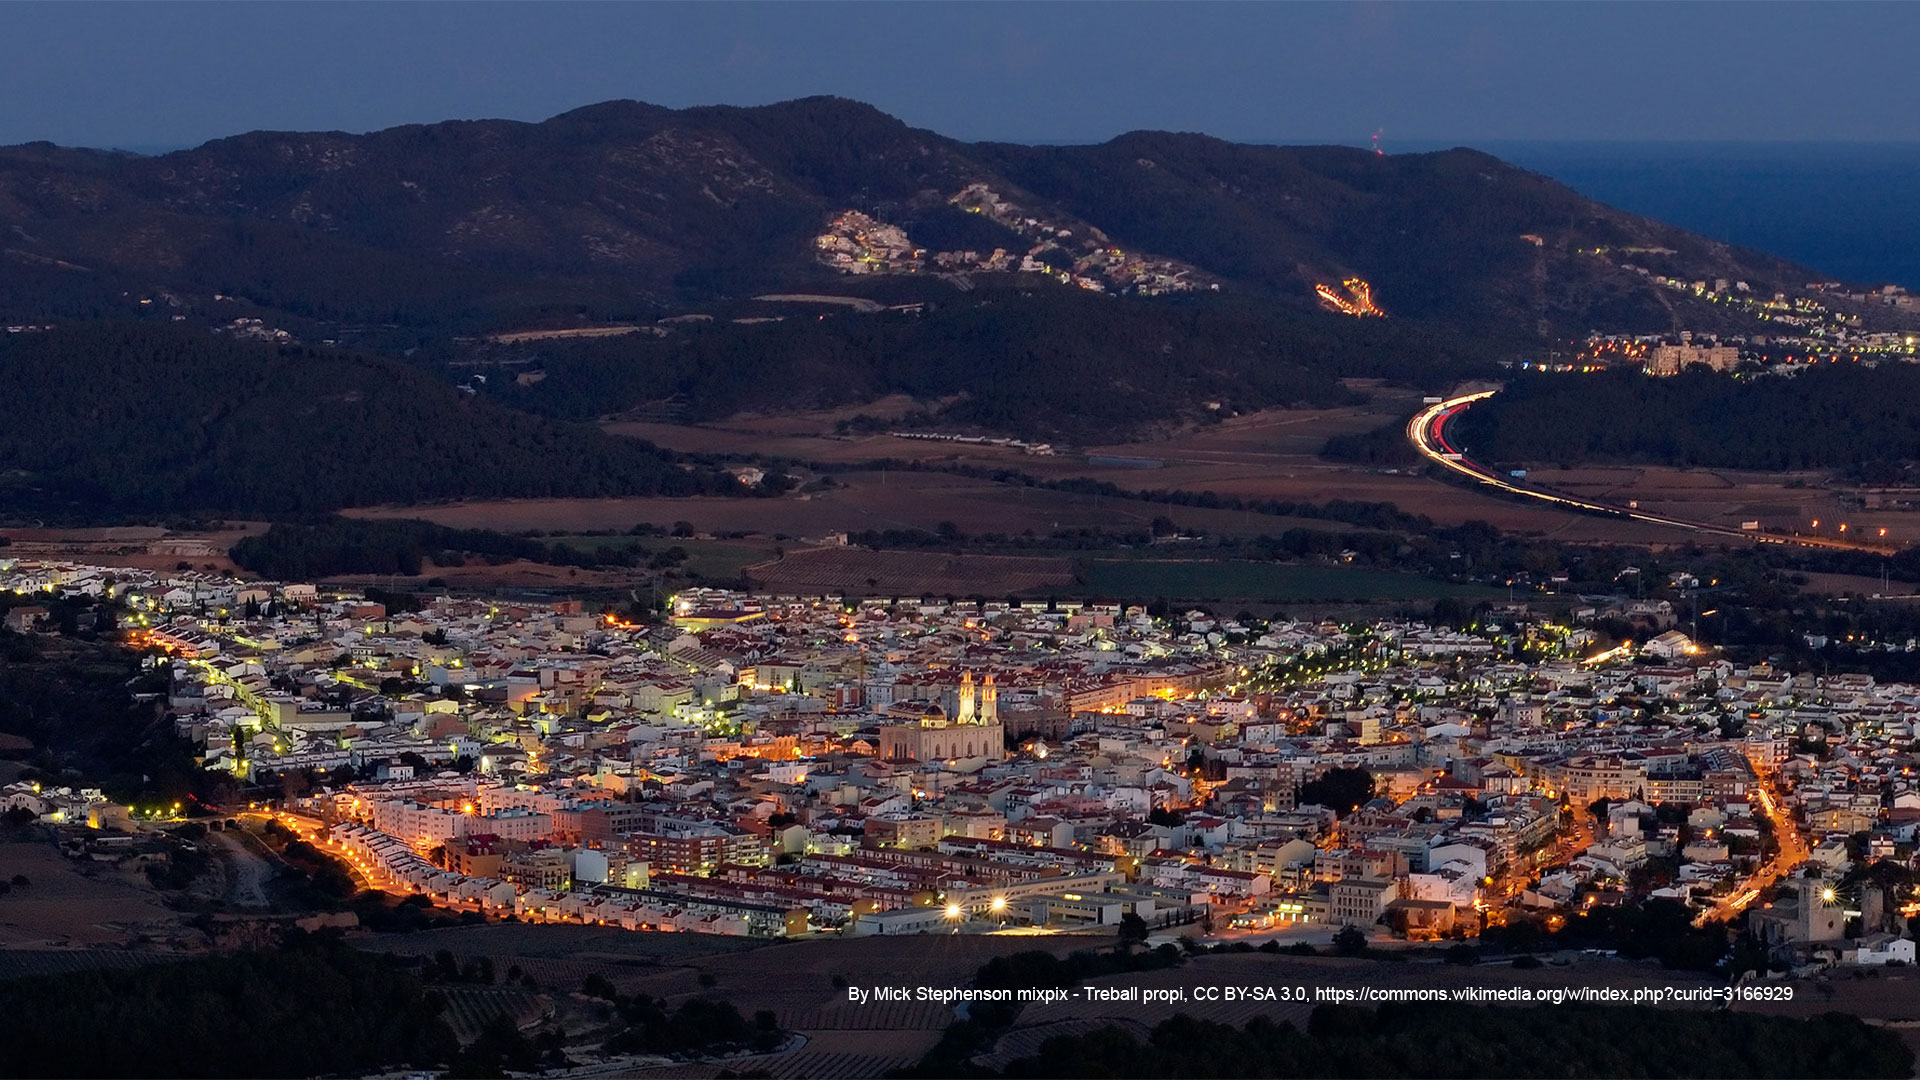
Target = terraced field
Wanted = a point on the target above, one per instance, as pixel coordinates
(1278, 583)
(470, 1008)
(27, 963)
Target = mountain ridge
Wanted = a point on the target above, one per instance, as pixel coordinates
(478, 223)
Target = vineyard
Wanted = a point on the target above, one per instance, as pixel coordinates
(469, 1008)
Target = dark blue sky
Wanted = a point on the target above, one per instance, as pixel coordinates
(162, 74)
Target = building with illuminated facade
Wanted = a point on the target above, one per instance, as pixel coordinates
(973, 731)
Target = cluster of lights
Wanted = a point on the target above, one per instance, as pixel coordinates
(1356, 300)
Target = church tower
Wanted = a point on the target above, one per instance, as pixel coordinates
(989, 701)
(964, 714)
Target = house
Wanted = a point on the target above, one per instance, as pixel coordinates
(1421, 920)
(1670, 645)
(1359, 901)
(1879, 950)
(26, 619)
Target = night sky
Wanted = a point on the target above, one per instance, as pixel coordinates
(149, 75)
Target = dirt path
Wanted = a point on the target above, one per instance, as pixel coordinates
(247, 872)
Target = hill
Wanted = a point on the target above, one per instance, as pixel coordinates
(1457, 237)
(162, 418)
(1865, 420)
(815, 253)
(1054, 364)
(624, 209)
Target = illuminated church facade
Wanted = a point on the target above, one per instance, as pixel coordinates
(973, 731)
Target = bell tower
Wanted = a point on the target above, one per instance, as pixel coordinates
(989, 701)
(964, 714)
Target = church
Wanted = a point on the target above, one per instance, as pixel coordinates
(973, 731)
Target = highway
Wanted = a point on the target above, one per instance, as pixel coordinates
(1427, 432)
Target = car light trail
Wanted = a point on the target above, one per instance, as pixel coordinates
(1427, 432)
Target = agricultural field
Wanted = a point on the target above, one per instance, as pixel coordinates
(1274, 583)
(27, 963)
(470, 1008)
(1275, 455)
(70, 903)
(857, 572)
(858, 502)
(517, 574)
(141, 547)
(1791, 502)
(1891, 588)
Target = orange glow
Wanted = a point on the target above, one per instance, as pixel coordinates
(1357, 300)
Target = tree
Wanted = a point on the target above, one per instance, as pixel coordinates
(1133, 928)
(1349, 941)
(1340, 790)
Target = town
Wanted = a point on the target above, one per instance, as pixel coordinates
(786, 766)
(857, 243)
(1795, 332)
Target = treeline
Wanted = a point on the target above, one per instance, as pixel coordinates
(304, 551)
(1852, 417)
(1460, 1040)
(76, 703)
(698, 1026)
(1385, 445)
(152, 418)
(986, 1021)
(1657, 929)
(1054, 363)
(310, 1008)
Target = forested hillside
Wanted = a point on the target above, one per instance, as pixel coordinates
(1057, 363)
(1457, 237)
(629, 207)
(1846, 417)
(1084, 294)
(1448, 1040)
(146, 418)
(311, 1008)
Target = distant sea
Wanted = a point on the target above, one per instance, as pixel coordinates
(1848, 210)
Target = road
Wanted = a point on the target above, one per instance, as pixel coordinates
(1427, 432)
(1793, 851)
(247, 871)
